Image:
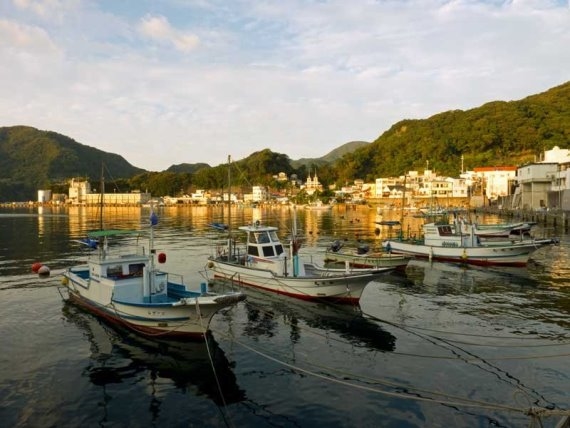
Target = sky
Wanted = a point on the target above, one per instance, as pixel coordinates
(166, 82)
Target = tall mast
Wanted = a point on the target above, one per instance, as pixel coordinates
(229, 209)
(102, 196)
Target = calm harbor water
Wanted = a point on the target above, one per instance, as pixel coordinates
(438, 345)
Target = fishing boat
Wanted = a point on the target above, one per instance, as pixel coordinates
(520, 230)
(318, 205)
(362, 257)
(265, 264)
(122, 285)
(218, 226)
(446, 242)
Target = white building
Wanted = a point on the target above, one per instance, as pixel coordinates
(78, 191)
(496, 180)
(544, 184)
(312, 185)
(44, 196)
(260, 194)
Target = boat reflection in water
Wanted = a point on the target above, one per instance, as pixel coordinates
(347, 321)
(121, 356)
(450, 276)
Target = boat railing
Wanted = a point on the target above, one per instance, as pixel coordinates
(119, 251)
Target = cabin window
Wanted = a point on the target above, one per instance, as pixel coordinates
(252, 250)
(136, 269)
(268, 251)
(274, 237)
(279, 249)
(445, 231)
(115, 271)
(261, 237)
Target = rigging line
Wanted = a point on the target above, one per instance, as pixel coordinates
(112, 178)
(541, 345)
(492, 369)
(488, 367)
(344, 374)
(482, 405)
(405, 326)
(406, 354)
(225, 412)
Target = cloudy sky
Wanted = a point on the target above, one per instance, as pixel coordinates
(165, 82)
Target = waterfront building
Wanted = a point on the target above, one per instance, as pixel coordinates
(260, 194)
(312, 185)
(497, 180)
(543, 185)
(80, 194)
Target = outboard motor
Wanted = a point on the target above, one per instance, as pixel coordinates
(335, 246)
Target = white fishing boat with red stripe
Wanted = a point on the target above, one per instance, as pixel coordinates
(265, 263)
(456, 243)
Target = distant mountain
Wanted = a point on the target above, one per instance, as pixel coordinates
(497, 133)
(330, 157)
(189, 168)
(31, 159)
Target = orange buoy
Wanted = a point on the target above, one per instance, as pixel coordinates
(36, 267)
(161, 258)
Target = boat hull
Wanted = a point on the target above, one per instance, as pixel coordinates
(503, 255)
(178, 318)
(337, 288)
(395, 261)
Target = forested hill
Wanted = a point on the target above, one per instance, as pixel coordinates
(31, 159)
(497, 133)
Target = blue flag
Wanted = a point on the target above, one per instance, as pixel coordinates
(153, 219)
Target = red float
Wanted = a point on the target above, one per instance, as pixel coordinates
(161, 258)
(36, 267)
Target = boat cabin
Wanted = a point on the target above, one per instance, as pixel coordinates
(445, 235)
(262, 241)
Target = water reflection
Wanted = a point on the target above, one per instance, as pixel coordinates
(456, 278)
(118, 356)
(266, 312)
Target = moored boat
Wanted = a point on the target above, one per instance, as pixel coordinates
(124, 287)
(265, 264)
(445, 242)
(362, 257)
(318, 205)
(521, 230)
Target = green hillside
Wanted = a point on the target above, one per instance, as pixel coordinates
(31, 159)
(497, 133)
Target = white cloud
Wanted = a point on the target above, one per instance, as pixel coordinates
(298, 77)
(23, 38)
(158, 28)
